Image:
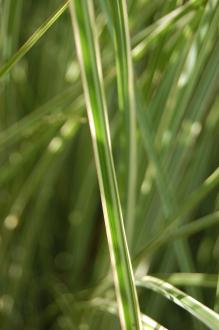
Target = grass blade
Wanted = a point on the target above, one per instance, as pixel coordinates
(172, 233)
(194, 307)
(193, 279)
(32, 40)
(89, 58)
(146, 36)
(126, 98)
(109, 306)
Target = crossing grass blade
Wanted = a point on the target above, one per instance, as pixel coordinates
(89, 58)
(5, 68)
(193, 279)
(28, 123)
(199, 194)
(173, 232)
(162, 25)
(108, 306)
(169, 202)
(194, 307)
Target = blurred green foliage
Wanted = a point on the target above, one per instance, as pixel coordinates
(53, 249)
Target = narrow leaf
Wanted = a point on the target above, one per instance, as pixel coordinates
(194, 307)
(89, 58)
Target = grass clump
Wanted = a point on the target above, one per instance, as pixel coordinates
(109, 164)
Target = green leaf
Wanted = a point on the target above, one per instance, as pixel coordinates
(193, 279)
(110, 307)
(118, 21)
(194, 307)
(172, 232)
(89, 58)
(5, 68)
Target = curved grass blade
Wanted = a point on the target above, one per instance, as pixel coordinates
(193, 279)
(32, 40)
(194, 307)
(89, 58)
